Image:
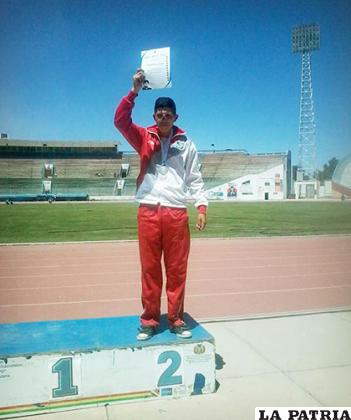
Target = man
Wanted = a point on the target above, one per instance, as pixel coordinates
(168, 169)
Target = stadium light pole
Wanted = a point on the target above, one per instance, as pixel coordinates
(305, 39)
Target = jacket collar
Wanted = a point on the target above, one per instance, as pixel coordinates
(176, 132)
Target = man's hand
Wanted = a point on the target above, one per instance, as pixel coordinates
(201, 221)
(138, 80)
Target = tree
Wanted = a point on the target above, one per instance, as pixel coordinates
(328, 169)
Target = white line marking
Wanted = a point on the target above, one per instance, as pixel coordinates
(231, 266)
(234, 279)
(347, 286)
(223, 256)
(220, 259)
(236, 238)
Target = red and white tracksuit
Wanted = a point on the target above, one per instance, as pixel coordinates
(166, 176)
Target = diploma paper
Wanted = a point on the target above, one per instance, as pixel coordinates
(157, 68)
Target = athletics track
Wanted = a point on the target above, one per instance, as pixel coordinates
(227, 278)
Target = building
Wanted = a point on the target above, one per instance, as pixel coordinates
(246, 177)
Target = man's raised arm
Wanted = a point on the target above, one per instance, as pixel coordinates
(123, 116)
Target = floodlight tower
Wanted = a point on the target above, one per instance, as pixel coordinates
(305, 39)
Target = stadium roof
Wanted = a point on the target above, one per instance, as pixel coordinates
(58, 143)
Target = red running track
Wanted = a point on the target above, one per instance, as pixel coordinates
(226, 278)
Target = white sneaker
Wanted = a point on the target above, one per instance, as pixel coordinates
(181, 331)
(145, 333)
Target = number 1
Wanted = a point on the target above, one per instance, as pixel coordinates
(65, 378)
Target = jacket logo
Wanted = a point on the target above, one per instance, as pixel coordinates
(180, 145)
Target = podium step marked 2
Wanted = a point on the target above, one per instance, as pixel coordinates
(60, 365)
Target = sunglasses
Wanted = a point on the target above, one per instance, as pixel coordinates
(166, 115)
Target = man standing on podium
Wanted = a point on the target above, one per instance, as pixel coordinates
(169, 168)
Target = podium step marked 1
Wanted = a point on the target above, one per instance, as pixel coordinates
(61, 365)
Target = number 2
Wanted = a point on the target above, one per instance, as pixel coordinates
(168, 377)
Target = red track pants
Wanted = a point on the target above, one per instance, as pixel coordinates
(163, 230)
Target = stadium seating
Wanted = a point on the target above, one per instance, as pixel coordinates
(94, 176)
(98, 176)
(218, 168)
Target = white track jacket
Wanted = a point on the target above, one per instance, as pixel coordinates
(169, 178)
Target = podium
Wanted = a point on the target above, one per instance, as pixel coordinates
(64, 365)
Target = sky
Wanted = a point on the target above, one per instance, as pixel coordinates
(65, 65)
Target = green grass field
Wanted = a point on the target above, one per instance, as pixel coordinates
(110, 221)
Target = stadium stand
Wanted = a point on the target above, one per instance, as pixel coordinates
(80, 168)
(94, 176)
(97, 169)
(134, 167)
(220, 167)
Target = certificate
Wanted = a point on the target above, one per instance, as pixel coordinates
(157, 68)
